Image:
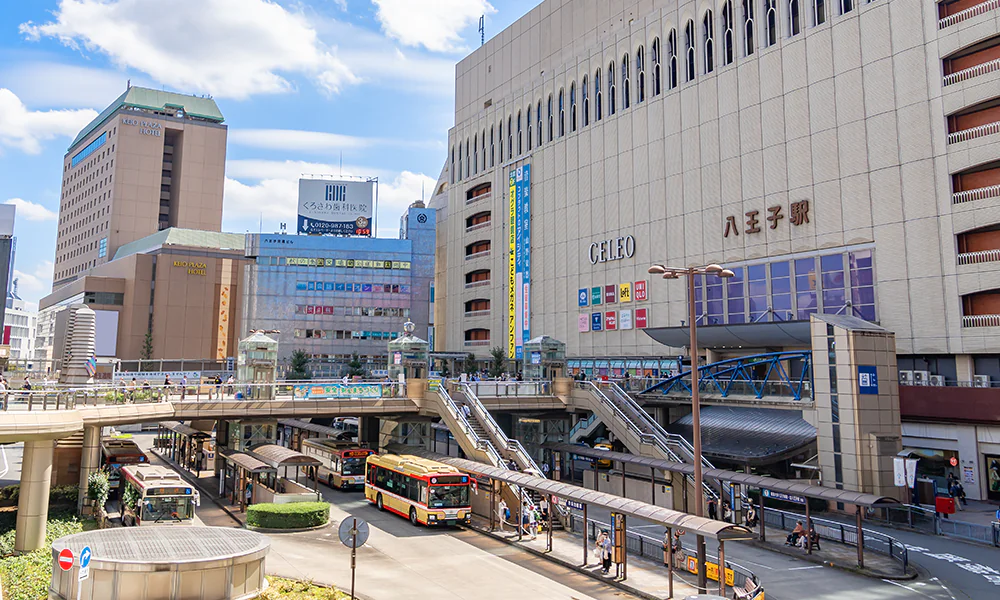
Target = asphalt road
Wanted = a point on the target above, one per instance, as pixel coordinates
(10, 463)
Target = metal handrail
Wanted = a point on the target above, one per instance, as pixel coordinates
(582, 424)
(973, 11)
(479, 442)
(844, 532)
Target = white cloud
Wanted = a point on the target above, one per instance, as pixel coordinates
(271, 199)
(26, 129)
(394, 197)
(228, 48)
(31, 211)
(434, 24)
(260, 169)
(79, 87)
(36, 284)
(294, 139)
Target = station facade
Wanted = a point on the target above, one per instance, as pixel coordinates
(839, 157)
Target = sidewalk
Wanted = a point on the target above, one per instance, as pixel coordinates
(645, 578)
(976, 512)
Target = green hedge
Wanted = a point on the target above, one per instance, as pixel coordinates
(60, 494)
(26, 577)
(297, 515)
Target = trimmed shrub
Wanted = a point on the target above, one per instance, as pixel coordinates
(10, 493)
(297, 515)
(63, 494)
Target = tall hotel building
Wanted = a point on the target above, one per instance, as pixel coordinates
(840, 156)
(151, 160)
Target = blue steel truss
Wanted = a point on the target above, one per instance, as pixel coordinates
(742, 376)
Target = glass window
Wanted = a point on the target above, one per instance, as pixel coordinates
(757, 291)
(713, 296)
(862, 284)
(735, 287)
(449, 496)
(805, 287)
(834, 296)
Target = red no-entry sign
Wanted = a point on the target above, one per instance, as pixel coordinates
(66, 559)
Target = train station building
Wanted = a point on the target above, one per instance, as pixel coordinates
(839, 157)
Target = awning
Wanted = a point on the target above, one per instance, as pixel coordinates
(278, 456)
(248, 463)
(183, 429)
(749, 435)
(789, 486)
(786, 334)
(710, 528)
(314, 427)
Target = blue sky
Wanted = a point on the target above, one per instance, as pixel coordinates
(298, 82)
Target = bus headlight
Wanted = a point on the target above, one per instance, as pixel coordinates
(432, 517)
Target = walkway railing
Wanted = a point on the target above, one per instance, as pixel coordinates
(974, 132)
(928, 521)
(978, 257)
(581, 426)
(981, 321)
(500, 389)
(966, 74)
(845, 533)
(756, 375)
(651, 548)
(990, 191)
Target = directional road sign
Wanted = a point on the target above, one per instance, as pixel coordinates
(65, 559)
(85, 555)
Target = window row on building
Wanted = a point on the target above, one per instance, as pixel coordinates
(365, 288)
(759, 24)
(351, 311)
(339, 334)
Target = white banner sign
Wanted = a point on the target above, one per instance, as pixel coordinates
(338, 207)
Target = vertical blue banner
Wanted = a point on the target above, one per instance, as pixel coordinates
(526, 241)
(516, 175)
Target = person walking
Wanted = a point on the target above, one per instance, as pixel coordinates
(713, 510)
(545, 470)
(184, 385)
(603, 551)
(218, 388)
(532, 520)
(503, 512)
(229, 385)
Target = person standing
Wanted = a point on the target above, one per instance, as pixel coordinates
(218, 388)
(229, 385)
(678, 550)
(503, 512)
(545, 470)
(543, 506)
(249, 492)
(603, 551)
(184, 385)
(713, 510)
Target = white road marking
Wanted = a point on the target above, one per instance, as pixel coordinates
(743, 560)
(899, 585)
(804, 568)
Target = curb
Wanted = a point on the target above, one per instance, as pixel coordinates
(579, 569)
(819, 561)
(297, 530)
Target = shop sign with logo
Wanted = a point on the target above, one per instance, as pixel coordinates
(625, 319)
(611, 320)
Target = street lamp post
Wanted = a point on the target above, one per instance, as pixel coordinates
(699, 504)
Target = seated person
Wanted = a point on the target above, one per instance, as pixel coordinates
(793, 537)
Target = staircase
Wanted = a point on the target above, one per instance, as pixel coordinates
(584, 429)
(639, 431)
(482, 423)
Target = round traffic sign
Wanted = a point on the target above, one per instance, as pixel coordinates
(953, 461)
(85, 557)
(353, 528)
(65, 559)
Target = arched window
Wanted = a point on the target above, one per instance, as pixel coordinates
(611, 88)
(672, 58)
(584, 89)
(493, 153)
(551, 137)
(519, 151)
(539, 111)
(529, 127)
(597, 96)
(640, 74)
(728, 35)
(510, 139)
(748, 18)
(794, 18)
(626, 87)
(562, 113)
(656, 66)
(708, 43)
(819, 12)
(771, 22)
(467, 157)
(846, 6)
(459, 161)
(452, 164)
(572, 106)
(475, 154)
(689, 50)
(500, 140)
(484, 149)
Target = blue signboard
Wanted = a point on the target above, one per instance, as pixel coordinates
(784, 497)
(521, 185)
(574, 504)
(867, 380)
(584, 297)
(596, 321)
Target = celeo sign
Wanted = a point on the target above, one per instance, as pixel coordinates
(335, 206)
(618, 248)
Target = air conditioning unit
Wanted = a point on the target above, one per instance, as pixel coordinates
(981, 381)
(921, 377)
(906, 378)
(937, 380)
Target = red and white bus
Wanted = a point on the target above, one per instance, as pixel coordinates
(155, 495)
(343, 462)
(425, 491)
(118, 452)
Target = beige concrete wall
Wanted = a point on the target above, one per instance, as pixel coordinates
(848, 115)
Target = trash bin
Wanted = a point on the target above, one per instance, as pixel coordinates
(944, 505)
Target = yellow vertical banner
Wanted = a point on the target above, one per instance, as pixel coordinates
(511, 274)
(222, 343)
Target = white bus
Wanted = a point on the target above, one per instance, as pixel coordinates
(343, 462)
(155, 495)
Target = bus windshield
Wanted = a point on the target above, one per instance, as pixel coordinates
(167, 508)
(353, 466)
(449, 496)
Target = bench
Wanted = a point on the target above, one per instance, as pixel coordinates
(745, 592)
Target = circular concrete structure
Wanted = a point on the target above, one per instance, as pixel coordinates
(163, 563)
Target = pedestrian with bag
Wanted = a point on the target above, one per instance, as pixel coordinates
(603, 551)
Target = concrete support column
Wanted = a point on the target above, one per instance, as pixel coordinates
(368, 432)
(90, 457)
(965, 368)
(33, 503)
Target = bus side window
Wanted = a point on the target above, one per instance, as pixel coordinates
(412, 491)
(381, 479)
(423, 491)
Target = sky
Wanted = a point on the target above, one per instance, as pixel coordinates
(353, 87)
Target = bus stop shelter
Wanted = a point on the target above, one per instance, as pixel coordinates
(778, 488)
(282, 489)
(241, 469)
(621, 509)
(184, 444)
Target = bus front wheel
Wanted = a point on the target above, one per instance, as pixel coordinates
(378, 502)
(413, 516)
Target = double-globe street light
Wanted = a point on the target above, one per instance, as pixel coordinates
(691, 272)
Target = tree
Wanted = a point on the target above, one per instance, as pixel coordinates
(98, 488)
(354, 368)
(299, 367)
(147, 346)
(470, 365)
(497, 361)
